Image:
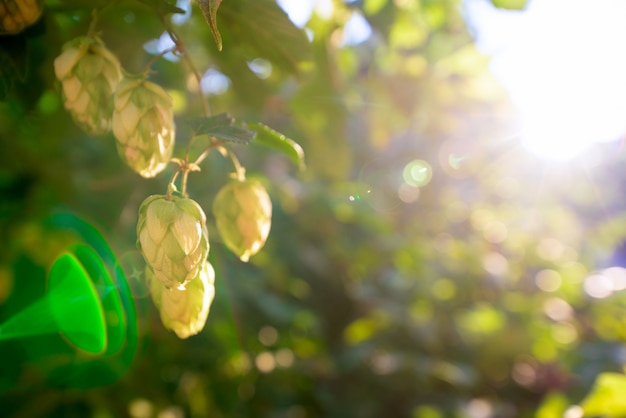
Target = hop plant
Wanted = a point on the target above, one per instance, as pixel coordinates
(243, 213)
(89, 74)
(185, 311)
(16, 15)
(143, 125)
(173, 239)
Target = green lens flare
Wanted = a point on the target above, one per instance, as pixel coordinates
(417, 173)
(81, 331)
(107, 294)
(34, 320)
(75, 305)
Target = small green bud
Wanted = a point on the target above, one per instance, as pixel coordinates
(185, 311)
(89, 74)
(173, 238)
(243, 213)
(143, 125)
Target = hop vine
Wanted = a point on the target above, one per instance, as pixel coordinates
(172, 233)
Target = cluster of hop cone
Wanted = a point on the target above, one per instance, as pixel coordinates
(171, 231)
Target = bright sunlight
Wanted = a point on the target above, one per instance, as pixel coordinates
(564, 65)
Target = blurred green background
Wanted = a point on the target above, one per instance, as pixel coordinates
(423, 264)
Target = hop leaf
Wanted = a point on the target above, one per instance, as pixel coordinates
(89, 74)
(143, 125)
(173, 239)
(243, 213)
(16, 15)
(185, 311)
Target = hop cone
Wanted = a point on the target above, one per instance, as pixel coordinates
(185, 311)
(143, 125)
(243, 213)
(15, 15)
(173, 238)
(89, 74)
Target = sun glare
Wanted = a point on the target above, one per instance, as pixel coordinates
(562, 64)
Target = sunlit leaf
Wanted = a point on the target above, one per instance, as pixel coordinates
(266, 31)
(553, 406)
(276, 140)
(209, 10)
(606, 398)
(222, 126)
(510, 4)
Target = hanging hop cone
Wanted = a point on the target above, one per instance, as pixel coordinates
(185, 311)
(89, 74)
(173, 239)
(143, 125)
(16, 15)
(243, 213)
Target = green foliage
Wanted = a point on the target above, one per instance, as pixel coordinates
(480, 287)
(606, 398)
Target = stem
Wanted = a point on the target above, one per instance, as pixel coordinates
(202, 156)
(91, 31)
(94, 21)
(184, 183)
(180, 46)
(171, 187)
(240, 172)
(156, 57)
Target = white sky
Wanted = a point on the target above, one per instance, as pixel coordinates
(564, 64)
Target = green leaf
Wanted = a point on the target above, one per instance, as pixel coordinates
(510, 4)
(553, 405)
(163, 7)
(209, 10)
(269, 137)
(223, 127)
(607, 396)
(266, 31)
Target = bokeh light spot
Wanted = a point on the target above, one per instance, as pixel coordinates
(598, 286)
(565, 333)
(265, 362)
(140, 408)
(284, 358)
(408, 193)
(548, 280)
(417, 173)
(495, 263)
(557, 309)
(268, 335)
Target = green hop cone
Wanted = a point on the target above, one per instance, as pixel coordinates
(143, 125)
(185, 311)
(243, 213)
(89, 74)
(173, 238)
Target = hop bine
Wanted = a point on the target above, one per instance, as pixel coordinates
(16, 15)
(243, 213)
(143, 125)
(89, 74)
(173, 239)
(185, 311)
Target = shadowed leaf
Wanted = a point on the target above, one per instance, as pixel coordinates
(209, 10)
(223, 127)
